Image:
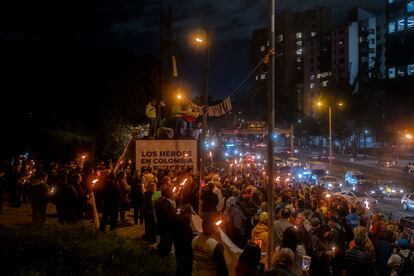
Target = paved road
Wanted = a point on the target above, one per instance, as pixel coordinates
(370, 168)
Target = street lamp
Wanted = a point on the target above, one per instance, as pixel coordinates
(408, 136)
(206, 42)
(365, 142)
(320, 104)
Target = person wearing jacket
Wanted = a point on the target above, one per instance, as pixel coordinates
(209, 201)
(237, 222)
(111, 203)
(137, 198)
(148, 212)
(260, 232)
(164, 211)
(357, 260)
(182, 234)
(123, 195)
(40, 199)
(151, 113)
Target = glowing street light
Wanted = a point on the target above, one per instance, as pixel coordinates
(179, 97)
(320, 104)
(397, 149)
(199, 40)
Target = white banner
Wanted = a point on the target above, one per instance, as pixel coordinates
(162, 154)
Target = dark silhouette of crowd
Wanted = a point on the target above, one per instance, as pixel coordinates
(314, 231)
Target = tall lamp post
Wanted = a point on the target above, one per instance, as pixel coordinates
(206, 42)
(320, 104)
(271, 126)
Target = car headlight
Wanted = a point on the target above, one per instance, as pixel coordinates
(329, 185)
(340, 185)
(393, 191)
(401, 191)
(372, 192)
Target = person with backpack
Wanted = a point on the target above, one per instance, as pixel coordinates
(402, 261)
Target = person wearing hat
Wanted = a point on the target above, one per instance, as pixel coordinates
(260, 232)
(403, 255)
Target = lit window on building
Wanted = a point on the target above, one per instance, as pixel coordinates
(401, 71)
(391, 73)
(299, 51)
(313, 34)
(341, 42)
(325, 83)
(410, 21)
(410, 69)
(262, 48)
(312, 77)
(262, 76)
(312, 86)
(410, 6)
(299, 43)
(400, 24)
(391, 27)
(298, 35)
(280, 38)
(257, 77)
(298, 59)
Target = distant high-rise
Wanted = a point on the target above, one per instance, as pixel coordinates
(302, 62)
(358, 50)
(400, 59)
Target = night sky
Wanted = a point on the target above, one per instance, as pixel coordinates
(57, 27)
(135, 25)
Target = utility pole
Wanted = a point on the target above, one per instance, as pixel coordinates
(271, 128)
(292, 137)
(330, 139)
(205, 100)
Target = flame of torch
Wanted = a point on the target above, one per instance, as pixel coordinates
(366, 204)
(183, 183)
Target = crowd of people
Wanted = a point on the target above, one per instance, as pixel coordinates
(314, 232)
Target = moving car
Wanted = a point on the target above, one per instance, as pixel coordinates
(292, 162)
(353, 178)
(389, 188)
(324, 155)
(356, 199)
(407, 201)
(370, 189)
(278, 162)
(386, 163)
(409, 167)
(330, 182)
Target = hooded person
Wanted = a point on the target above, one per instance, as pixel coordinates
(260, 232)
